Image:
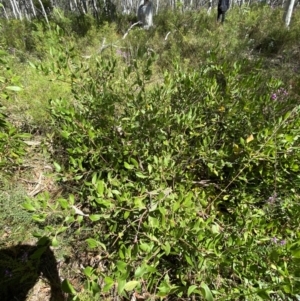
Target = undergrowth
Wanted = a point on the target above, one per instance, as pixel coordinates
(176, 150)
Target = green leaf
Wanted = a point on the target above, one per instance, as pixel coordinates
(140, 271)
(167, 248)
(95, 217)
(121, 265)
(189, 260)
(164, 289)
(121, 284)
(191, 289)
(296, 253)
(28, 206)
(54, 242)
(31, 65)
(206, 292)
(100, 188)
(63, 203)
(57, 167)
(61, 230)
(109, 282)
(263, 294)
(135, 163)
(88, 271)
(39, 252)
(140, 175)
(71, 199)
(39, 217)
(126, 214)
(14, 88)
(67, 287)
(129, 286)
(287, 288)
(94, 178)
(128, 166)
(93, 243)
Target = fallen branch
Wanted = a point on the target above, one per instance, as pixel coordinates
(104, 46)
(127, 32)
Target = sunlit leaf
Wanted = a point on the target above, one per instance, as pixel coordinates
(14, 88)
(128, 166)
(129, 286)
(206, 292)
(250, 138)
(67, 287)
(191, 289)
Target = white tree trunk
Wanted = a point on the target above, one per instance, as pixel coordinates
(44, 12)
(33, 8)
(288, 12)
(209, 7)
(145, 13)
(84, 6)
(95, 6)
(5, 13)
(18, 10)
(13, 8)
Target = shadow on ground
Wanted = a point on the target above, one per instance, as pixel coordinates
(22, 265)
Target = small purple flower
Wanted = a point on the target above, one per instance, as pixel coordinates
(274, 96)
(274, 240)
(272, 199)
(282, 91)
(24, 257)
(8, 273)
(123, 54)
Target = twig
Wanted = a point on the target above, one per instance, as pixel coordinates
(78, 211)
(167, 35)
(104, 46)
(37, 189)
(127, 32)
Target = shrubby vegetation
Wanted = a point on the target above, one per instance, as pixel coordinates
(177, 154)
(12, 148)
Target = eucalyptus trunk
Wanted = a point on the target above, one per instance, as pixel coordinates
(44, 12)
(288, 12)
(32, 8)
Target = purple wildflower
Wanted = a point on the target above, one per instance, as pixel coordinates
(24, 257)
(274, 96)
(121, 53)
(272, 199)
(274, 240)
(8, 273)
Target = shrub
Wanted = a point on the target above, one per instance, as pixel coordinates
(186, 184)
(12, 147)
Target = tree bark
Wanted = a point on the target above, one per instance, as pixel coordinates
(33, 8)
(13, 8)
(5, 13)
(288, 12)
(44, 12)
(145, 13)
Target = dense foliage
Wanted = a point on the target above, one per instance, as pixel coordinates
(12, 147)
(178, 159)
